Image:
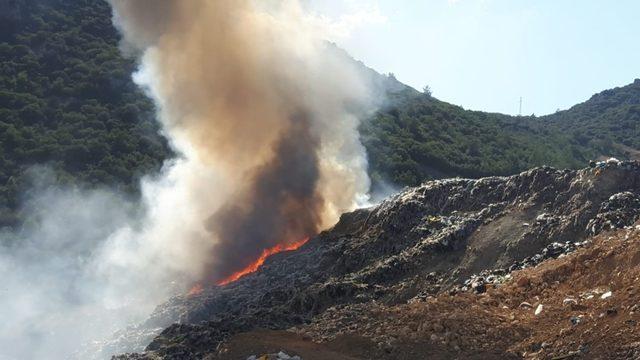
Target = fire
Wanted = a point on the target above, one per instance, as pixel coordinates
(195, 290)
(265, 254)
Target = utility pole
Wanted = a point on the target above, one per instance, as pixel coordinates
(520, 109)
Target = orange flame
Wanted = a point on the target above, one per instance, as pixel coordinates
(254, 266)
(195, 290)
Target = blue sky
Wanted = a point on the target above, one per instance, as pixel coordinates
(486, 54)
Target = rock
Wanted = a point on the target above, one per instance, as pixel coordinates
(569, 302)
(606, 295)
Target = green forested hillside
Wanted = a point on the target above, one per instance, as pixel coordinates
(67, 100)
(610, 118)
(420, 137)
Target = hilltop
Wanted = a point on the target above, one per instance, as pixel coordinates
(419, 137)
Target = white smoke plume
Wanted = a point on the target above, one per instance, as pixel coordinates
(264, 117)
(250, 90)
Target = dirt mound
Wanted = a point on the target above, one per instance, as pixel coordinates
(411, 254)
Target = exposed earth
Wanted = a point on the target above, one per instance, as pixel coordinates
(450, 269)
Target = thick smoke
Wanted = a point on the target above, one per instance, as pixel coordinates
(264, 116)
(256, 95)
(280, 204)
(90, 262)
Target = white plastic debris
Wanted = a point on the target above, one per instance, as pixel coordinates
(606, 295)
(538, 310)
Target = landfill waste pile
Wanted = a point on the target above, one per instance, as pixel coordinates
(456, 268)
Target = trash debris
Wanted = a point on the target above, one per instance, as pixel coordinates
(618, 211)
(525, 305)
(575, 320)
(279, 356)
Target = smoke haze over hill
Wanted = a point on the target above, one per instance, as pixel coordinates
(264, 120)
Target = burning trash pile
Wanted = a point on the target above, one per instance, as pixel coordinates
(254, 266)
(415, 246)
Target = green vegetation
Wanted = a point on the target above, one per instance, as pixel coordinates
(610, 119)
(419, 137)
(67, 100)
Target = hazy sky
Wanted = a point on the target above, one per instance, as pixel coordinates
(486, 54)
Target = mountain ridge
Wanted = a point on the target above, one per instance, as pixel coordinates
(420, 137)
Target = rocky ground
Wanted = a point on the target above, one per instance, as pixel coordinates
(450, 269)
